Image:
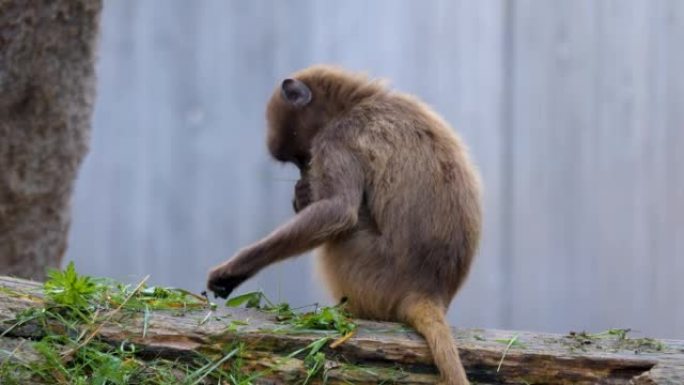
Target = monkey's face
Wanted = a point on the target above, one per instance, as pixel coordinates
(294, 116)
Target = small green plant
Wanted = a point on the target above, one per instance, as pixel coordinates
(69, 289)
(333, 318)
(510, 342)
(326, 318)
(250, 300)
(322, 318)
(314, 361)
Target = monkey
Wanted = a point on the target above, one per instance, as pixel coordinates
(388, 195)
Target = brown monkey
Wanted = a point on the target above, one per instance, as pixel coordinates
(389, 193)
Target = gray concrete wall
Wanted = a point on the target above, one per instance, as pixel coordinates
(573, 110)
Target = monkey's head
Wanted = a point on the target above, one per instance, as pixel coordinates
(304, 103)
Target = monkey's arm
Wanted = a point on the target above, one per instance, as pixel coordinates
(338, 184)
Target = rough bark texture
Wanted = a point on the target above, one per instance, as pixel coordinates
(47, 84)
(387, 352)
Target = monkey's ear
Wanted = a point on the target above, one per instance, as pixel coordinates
(295, 92)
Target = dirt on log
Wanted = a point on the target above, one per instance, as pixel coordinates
(47, 87)
(377, 353)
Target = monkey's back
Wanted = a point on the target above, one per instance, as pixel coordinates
(419, 224)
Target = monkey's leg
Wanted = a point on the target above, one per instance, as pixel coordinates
(428, 319)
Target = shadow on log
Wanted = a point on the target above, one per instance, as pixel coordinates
(377, 353)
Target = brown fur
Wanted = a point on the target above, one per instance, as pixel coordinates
(390, 194)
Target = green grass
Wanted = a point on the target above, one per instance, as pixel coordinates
(334, 318)
(75, 306)
(69, 318)
(510, 342)
(326, 318)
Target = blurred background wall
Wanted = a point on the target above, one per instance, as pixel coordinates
(573, 110)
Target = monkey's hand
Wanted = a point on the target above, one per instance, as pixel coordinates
(302, 195)
(223, 279)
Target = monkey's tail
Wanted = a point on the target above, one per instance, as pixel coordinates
(429, 320)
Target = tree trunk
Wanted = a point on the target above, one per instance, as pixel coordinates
(378, 353)
(47, 87)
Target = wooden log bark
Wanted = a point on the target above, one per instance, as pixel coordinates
(47, 87)
(378, 352)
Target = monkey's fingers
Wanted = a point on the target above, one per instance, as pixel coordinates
(302, 188)
(302, 195)
(300, 201)
(301, 184)
(222, 285)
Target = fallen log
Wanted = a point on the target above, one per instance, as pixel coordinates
(375, 353)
